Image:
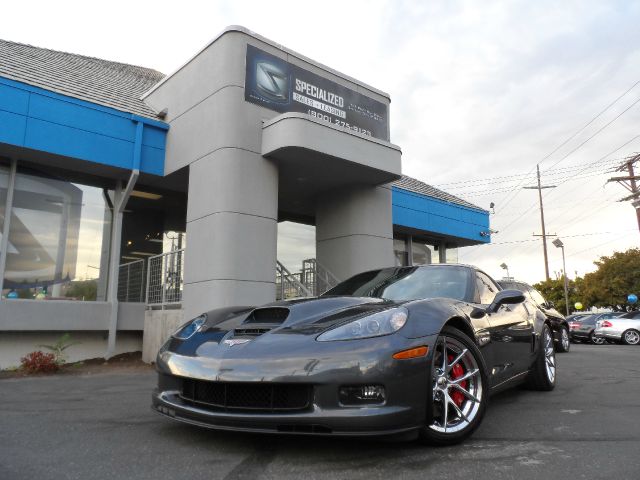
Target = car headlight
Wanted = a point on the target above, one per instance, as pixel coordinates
(376, 325)
(189, 329)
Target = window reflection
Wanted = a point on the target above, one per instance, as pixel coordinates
(423, 253)
(55, 238)
(400, 251)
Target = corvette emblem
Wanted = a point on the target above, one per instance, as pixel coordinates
(236, 341)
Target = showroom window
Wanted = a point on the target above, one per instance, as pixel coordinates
(55, 239)
(4, 183)
(401, 250)
(424, 253)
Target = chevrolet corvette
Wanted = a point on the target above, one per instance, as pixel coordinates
(404, 351)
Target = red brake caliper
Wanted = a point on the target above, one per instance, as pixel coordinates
(456, 372)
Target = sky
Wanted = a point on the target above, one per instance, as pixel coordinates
(481, 91)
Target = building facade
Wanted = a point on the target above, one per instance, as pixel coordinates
(130, 200)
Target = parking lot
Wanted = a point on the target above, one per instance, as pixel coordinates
(101, 427)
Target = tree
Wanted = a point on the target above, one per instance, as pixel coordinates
(553, 290)
(616, 277)
(82, 290)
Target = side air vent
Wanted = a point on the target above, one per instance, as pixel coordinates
(273, 315)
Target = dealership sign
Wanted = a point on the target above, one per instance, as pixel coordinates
(281, 86)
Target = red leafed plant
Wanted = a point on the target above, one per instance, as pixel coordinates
(39, 362)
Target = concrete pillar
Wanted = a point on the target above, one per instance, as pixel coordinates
(231, 231)
(354, 230)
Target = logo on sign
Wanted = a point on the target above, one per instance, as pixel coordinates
(272, 82)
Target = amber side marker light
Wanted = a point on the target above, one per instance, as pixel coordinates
(411, 353)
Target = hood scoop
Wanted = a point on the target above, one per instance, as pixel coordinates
(270, 315)
(261, 321)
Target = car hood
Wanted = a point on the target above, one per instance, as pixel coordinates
(304, 314)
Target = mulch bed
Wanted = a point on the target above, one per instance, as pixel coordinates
(125, 362)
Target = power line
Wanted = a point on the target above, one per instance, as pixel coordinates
(507, 200)
(600, 244)
(528, 240)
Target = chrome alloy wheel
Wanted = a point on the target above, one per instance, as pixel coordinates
(457, 386)
(597, 340)
(549, 355)
(631, 337)
(564, 339)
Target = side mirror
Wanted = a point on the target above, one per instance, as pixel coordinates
(550, 304)
(505, 297)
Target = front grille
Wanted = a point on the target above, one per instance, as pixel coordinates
(229, 396)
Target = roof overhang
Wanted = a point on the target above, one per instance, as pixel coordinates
(315, 157)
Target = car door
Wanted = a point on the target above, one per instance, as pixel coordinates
(511, 332)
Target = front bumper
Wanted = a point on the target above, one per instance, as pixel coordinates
(367, 362)
(370, 421)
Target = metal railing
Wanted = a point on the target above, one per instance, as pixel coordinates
(131, 284)
(288, 285)
(165, 279)
(317, 278)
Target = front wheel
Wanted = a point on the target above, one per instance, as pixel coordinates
(631, 337)
(563, 342)
(596, 340)
(543, 374)
(459, 390)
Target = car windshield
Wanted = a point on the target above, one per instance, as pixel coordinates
(408, 283)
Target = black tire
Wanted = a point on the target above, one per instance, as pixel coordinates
(564, 342)
(543, 374)
(631, 337)
(443, 411)
(596, 340)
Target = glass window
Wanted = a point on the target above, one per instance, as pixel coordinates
(55, 239)
(400, 251)
(537, 296)
(486, 288)
(423, 254)
(4, 184)
(408, 283)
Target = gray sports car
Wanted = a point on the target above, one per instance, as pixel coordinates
(410, 351)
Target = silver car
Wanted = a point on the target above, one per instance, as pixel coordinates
(625, 329)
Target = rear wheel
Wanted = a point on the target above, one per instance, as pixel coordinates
(563, 341)
(596, 340)
(459, 389)
(631, 337)
(543, 374)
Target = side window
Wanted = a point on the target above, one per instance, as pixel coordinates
(486, 288)
(537, 297)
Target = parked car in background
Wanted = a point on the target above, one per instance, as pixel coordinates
(574, 322)
(585, 332)
(558, 323)
(624, 328)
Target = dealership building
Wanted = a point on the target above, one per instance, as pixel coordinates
(131, 200)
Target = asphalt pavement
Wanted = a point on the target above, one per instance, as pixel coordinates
(101, 427)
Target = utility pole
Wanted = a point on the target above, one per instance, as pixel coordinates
(629, 182)
(539, 187)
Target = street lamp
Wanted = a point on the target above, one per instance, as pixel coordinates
(504, 266)
(558, 243)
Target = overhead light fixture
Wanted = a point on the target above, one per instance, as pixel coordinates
(146, 195)
(143, 253)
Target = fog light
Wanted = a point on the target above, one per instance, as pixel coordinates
(362, 395)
